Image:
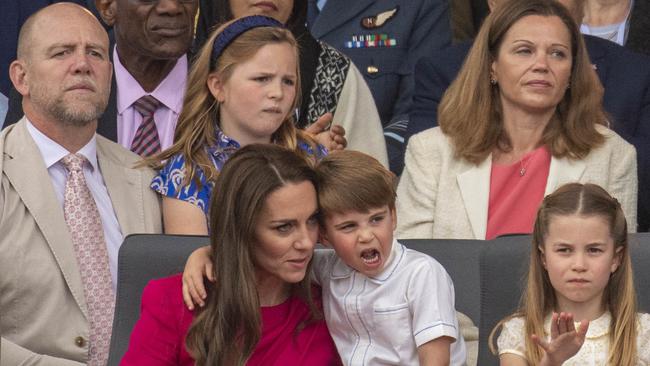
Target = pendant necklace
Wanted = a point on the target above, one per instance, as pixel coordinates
(523, 164)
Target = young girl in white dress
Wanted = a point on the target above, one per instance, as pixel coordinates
(580, 270)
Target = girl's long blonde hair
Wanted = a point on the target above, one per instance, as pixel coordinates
(619, 296)
(198, 120)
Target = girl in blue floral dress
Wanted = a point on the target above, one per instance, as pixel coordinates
(241, 90)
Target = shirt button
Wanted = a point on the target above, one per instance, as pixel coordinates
(80, 341)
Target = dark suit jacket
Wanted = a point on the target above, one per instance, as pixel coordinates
(419, 26)
(624, 74)
(638, 36)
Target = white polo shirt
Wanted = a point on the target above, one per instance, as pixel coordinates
(382, 320)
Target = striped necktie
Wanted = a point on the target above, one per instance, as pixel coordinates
(146, 141)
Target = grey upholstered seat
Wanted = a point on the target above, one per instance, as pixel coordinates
(144, 257)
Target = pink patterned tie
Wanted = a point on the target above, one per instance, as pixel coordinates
(85, 225)
(146, 141)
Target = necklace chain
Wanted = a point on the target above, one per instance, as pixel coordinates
(523, 164)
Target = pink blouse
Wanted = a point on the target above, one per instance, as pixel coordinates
(158, 337)
(516, 192)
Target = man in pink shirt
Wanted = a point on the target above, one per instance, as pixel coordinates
(150, 60)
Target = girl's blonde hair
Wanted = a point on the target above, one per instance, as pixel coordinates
(197, 123)
(470, 111)
(619, 296)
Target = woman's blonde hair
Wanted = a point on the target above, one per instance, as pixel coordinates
(226, 330)
(470, 111)
(197, 123)
(619, 296)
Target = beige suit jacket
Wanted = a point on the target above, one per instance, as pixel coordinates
(43, 314)
(440, 196)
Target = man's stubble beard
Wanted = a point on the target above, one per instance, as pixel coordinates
(77, 113)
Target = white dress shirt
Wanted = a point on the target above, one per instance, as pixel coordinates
(52, 154)
(382, 320)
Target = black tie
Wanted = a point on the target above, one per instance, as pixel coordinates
(312, 13)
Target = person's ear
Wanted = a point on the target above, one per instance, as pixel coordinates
(322, 238)
(618, 255)
(19, 77)
(493, 74)
(107, 10)
(393, 216)
(542, 256)
(216, 87)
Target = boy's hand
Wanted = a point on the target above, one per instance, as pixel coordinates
(198, 266)
(565, 339)
(333, 139)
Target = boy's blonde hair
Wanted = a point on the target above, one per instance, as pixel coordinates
(353, 181)
(539, 299)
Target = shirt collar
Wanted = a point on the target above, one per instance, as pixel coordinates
(169, 92)
(223, 142)
(597, 328)
(52, 152)
(341, 270)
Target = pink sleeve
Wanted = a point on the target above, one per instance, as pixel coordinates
(158, 336)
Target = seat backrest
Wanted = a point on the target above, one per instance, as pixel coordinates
(142, 258)
(461, 260)
(503, 266)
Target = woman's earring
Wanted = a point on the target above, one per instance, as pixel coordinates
(493, 81)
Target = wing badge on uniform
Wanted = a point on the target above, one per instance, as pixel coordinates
(376, 21)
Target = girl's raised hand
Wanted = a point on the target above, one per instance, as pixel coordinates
(197, 267)
(565, 339)
(332, 137)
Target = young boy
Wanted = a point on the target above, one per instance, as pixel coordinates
(383, 303)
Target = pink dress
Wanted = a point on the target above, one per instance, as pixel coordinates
(158, 337)
(516, 192)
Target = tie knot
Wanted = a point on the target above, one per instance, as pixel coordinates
(146, 105)
(74, 162)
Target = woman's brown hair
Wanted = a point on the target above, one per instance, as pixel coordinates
(198, 121)
(470, 111)
(226, 330)
(619, 297)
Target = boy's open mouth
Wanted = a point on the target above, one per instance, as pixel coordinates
(370, 256)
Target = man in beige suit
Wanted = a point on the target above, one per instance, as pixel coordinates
(46, 315)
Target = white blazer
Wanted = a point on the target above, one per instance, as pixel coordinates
(441, 196)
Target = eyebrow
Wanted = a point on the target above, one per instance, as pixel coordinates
(282, 221)
(344, 223)
(531, 43)
(292, 220)
(74, 45)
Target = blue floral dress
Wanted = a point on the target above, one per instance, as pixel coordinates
(169, 181)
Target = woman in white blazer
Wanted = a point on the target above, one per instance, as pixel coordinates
(523, 117)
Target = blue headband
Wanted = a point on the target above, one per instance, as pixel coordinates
(236, 28)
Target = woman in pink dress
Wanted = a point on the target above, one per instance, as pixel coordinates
(262, 310)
